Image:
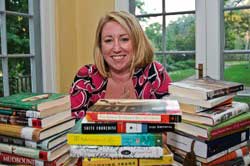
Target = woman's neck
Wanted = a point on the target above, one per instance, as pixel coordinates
(120, 78)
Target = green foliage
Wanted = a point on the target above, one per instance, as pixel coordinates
(181, 74)
(238, 73)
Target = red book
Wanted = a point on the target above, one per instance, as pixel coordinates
(7, 158)
(135, 110)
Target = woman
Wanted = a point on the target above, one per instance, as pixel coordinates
(124, 66)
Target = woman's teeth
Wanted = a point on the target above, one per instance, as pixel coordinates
(117, 57)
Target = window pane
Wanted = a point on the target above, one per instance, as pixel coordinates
(179, 5)
(17, 34)
(180, 31)
(17, 5)
(1, 79)
(153, 29)
(19, 75)
(236, 3)
(148, 6)
(180, 66)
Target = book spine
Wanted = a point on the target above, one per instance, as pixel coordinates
(7, 158)
(115, 139)
(121, 127)
(108, 161)
(24, 151)
(209, 148)
(230, 156)
(116, 152)
(14, 120)
(139, 118)
(165, 160)
(229, 129)
(236, 109)
(224, 91)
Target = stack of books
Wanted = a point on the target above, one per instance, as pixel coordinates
(125, 131)
(217, 126)
(33, 128)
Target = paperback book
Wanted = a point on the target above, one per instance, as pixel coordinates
(116, 151)
(205, 132)
(217, 115)
(135, 110)
(45, 104)
(145, 139)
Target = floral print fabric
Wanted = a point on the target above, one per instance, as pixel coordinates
(150, 82)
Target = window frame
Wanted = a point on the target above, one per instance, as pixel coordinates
(34, 45)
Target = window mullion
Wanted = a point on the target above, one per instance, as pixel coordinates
(4, 50)
(32, 46)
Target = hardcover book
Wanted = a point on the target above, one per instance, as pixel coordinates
(116, 151)
(198, 103)
(44, 103)
(217, 115)
(135, 110)
(205, 132)
(35, 153)
(206, 88)
(215, 159)
(35, 122)
(148, 139)
(46, 144)
(8, 158)
(35, 134)
(208, 148)
(192, 109)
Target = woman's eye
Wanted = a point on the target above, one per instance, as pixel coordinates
(125, 39)
(108, 40)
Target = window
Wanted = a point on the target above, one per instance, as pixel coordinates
(171, 29)
(237, 36)
(20, 46)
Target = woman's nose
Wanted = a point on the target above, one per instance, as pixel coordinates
(116, 46)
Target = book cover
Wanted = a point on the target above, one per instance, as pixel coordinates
(35, 134)
(217, 115)
(205, 132)
(8, 158)
(167, 159)
(116, 151)
(208, 148)
(200, 102)
(35, 153)
(206, 88)
(35, 122)
(45, 103)
(144, 139)
(135, 110)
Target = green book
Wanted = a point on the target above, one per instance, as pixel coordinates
(45, 104)
(205, 132)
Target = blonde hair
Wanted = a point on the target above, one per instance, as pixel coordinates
(143, 52)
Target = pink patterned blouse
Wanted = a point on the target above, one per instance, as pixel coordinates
(150, 82)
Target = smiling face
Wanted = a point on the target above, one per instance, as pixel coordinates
(116, 47)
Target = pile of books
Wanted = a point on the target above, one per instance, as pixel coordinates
(33, 129)
(125, 132)
(217, 126)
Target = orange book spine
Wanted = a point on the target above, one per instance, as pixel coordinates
(230, 156)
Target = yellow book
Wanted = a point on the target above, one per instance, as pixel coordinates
(109, 162)
(124, 139)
